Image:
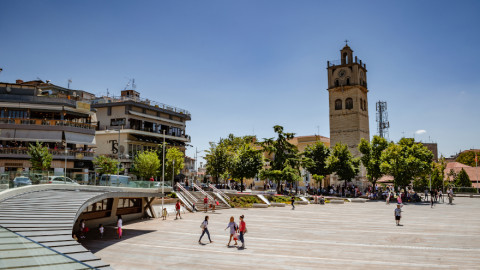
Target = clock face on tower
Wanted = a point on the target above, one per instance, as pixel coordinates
(341, 73)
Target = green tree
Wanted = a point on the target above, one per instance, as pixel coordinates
(217, 160)
(315, 161)
(247, 164)
(173, 154)
(468, 158)
(462, 179)
(105, 164)
(146, 164)
(371, 157)
(40, 158)
(284, 154)
(342, 163)
(406, 161)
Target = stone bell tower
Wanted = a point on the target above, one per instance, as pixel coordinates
(348, 101)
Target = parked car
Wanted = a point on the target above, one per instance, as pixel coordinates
(22, 181)
(61, 180)
(115, 180)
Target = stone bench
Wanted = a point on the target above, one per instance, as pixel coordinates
(341, 201)
(276, 204)
(301, 202)
(260, 205)
(357, 200)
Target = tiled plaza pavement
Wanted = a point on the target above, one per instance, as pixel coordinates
(331, 236)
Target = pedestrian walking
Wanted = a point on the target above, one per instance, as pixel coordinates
(205, 203)
(119, 226)
(398, 214)
(164, 213)
(450, 196)
(101, 230)
(204, 227)
(293, 202)
(243, 231)
(177, 210)
(388, 197)
(233, 231)
(83, 229)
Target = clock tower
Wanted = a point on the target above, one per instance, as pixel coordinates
(348, 102)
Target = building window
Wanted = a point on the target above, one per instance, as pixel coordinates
(349, 103)
(364, 104)
(336, 83)
(144, 111)
(338, 104)
(117, 122)
(109, 110)
(361, 104)
(348, 81)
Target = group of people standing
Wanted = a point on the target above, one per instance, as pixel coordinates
(237, 232)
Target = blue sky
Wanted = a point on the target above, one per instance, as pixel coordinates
(242, 67)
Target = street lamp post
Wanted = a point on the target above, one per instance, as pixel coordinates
(66, 152)
(163, 168)
(118, 155)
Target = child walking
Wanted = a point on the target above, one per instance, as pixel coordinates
(101, 230)
(119, 226)
(233, 231)
(398, 214)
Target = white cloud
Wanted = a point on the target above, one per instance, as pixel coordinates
(420, 131)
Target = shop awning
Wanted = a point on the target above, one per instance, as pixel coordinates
(38, 135)
(78, 138)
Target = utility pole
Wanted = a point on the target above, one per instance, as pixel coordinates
(163, 168)
(173, 172)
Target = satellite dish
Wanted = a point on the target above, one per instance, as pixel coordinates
(121, 149)
(9, 89)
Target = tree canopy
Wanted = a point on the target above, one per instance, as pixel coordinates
(371, 157)
(462, 179)
(40, 158)
(315, 160)
(342, 163)
(146, 164)
(105, 165)
(246, 164)
(173, 154)
(406, 161)
(468, 158)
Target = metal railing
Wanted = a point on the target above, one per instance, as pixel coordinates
(54, 152)
(202, 191)
(44, 122)
(194, 199)
(38, 99)
(219, 191)
(145, 101)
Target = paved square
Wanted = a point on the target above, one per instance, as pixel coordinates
(331, 236)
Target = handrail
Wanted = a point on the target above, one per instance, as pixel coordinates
(219, 191)
(186, 192)
(185, 201)
(202, 191)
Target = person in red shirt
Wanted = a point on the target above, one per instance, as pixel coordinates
(177, 210)
(205, 203)
(243, 229)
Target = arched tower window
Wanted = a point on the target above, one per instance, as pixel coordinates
(338, 104)
(348, 81)
(337, 83)
(349, 103)
(365, 104)
(361, 104)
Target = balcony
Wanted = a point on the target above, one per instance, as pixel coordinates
(39, 99)
(43, 122)
(22, 152)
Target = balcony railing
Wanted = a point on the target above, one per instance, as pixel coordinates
(39, 99)
(43, 122)
(54, 152)
(148, 102)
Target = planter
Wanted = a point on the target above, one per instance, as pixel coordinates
(276, 204)
(259, 205)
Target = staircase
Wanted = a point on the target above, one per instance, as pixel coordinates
(186, 197)
(200, 195)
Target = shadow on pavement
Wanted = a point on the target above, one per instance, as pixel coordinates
(95, 243)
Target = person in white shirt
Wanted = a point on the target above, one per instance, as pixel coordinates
(119, 226)
(398, 214)
(204, 227)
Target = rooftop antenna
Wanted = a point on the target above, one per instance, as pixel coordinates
(382, 119)
(107, 92)
(134, 86)
(69, 82)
